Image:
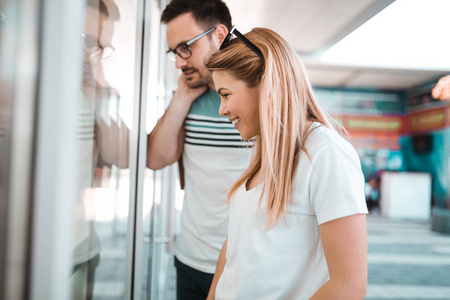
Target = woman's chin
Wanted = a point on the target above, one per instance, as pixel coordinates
(245, 137)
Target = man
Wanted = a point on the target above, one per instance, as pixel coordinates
(112, 136)
(94, 139)
(211, 150)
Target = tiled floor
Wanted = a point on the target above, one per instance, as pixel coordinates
(406, 261)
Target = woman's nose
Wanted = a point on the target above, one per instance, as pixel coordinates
(223, 110)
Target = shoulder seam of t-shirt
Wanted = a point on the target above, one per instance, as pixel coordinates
(326, 147)
(332, 142)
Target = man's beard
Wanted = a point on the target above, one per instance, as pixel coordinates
(200, 81)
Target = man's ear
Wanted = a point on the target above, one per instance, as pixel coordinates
(220, 33)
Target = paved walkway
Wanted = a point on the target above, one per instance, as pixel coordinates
(407, 260)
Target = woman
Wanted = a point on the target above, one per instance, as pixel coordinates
(297, 225)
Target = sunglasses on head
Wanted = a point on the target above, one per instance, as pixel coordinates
(240, 36)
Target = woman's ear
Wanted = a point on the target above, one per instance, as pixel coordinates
(220, 32)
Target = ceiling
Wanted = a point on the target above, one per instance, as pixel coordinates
(312, 26)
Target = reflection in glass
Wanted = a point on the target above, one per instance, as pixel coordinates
(5, 118)
(18, 70)
(103, 137)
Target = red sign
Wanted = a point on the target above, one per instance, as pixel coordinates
(382, 123)
(373, 132)
(375, 141)
(428, 120)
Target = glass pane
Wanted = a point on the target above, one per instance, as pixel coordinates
(152, 180)
(5, 132)
(104, 122)
(18, 74)
(157, 261)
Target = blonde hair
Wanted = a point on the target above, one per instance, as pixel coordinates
(286, 104)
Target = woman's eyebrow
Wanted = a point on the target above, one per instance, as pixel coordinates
(220, 90)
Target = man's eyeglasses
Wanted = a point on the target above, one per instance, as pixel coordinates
(93, 47)
(183, 50)
(240, 36)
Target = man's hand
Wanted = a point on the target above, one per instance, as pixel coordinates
(186, 95)
(442, 89)
(166, 141)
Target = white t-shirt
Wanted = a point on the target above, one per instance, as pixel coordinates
(288, 261)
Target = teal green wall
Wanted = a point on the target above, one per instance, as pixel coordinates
(373, 102)
(433, 162)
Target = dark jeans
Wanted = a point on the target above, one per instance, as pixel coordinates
(192, 284)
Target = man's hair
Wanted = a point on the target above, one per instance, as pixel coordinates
(106, 7)
(207, 13)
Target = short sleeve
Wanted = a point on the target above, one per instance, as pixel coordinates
(337, 183)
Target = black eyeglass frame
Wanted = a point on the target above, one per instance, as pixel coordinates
(227, 39)
(187, 45)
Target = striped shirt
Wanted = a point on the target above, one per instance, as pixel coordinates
(214, 157)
